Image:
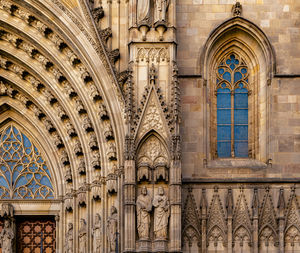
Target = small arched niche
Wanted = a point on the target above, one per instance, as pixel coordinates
(244, 40)
(152, 159)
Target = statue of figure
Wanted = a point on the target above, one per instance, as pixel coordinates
(97, 234)
(161, 214)
(82, 236)
(160, 10)
(69, 239)
(112, 228)
(143, 11)
(6, 238)
(143, 208)
(7, 210)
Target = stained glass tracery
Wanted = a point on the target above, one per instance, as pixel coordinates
(232, 90)
(23, 172)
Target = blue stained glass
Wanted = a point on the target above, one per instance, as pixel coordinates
(224, 132)
(227, 76)
(223, 116)
(240, 109)
(241, 149)
(3, 182)
(241, 132)
(224, 149)
(237, 76)
(241, 116)
(223, 98)
(240, 99)
(23, 173)
(244, 71)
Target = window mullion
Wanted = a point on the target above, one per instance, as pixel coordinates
(232, 123)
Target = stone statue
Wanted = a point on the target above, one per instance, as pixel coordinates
(143, 12)
(69, 239)
(143, 208)
(82, 236)
(6, 238)
(161, 214)
(97, 234)
(112, 228)
(7, 210)
(160, 10)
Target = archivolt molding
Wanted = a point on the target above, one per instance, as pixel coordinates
(62, 47)
(51, 132)
(63, 119)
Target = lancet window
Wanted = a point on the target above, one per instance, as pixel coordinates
(232, 91)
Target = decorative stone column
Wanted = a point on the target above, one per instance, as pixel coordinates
(255, 207)
(175, 197)
(281, 209)
(203, 207)
(229, 206)
(129, 198)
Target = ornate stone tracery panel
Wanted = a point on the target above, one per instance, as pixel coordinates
(23, 173)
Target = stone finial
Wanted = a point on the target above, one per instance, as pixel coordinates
(237, 9)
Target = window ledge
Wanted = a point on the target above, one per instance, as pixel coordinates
(236, 163)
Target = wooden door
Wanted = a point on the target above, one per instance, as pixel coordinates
(35, 234)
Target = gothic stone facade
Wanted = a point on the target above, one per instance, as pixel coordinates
(149, 126)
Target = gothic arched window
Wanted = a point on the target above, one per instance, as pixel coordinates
(23, 172)
(232, 90)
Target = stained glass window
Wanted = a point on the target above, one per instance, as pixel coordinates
(23, 172)
(232, 107)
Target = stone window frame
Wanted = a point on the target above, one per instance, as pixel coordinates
(246, 38)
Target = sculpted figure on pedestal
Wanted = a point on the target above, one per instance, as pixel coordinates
(112, 228)
(69, 239)
(161, 214)
(143, 11)
(82, 236)
(97, 234)
(143, 208)
(6, 238)
(160, 10)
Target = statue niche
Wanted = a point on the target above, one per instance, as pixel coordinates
(152, 156)
(159, 12)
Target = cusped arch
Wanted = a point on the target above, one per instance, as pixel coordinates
(190, 233)
(243, 38)
(266, 232)
(240, 29)
(37, 167)
(153, 147)
(152, 155)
